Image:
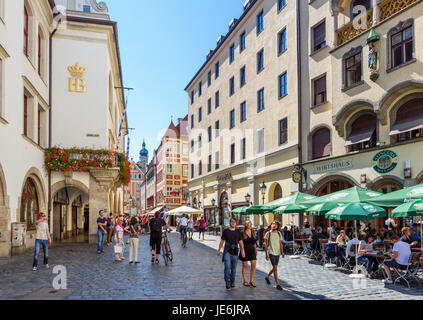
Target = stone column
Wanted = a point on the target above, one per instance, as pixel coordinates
(216, 210)
(229, 185)
(101, 180)
(335, 14)
(5, 228)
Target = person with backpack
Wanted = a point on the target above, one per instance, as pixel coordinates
(110, 225)
(232, 239)
(274, 249)
(156, 227)
(134, 230)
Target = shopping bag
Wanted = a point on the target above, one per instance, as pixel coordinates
(118, 249)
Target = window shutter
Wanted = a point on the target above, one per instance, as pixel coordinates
(319, 33)
(321, 143)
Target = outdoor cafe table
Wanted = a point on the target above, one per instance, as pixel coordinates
(380, 257)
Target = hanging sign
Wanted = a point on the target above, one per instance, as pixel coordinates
(385, 161)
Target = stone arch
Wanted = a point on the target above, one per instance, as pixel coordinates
(61, 184)
(392, 99)
(36, 176)
(392, 111)
(329, 177)
(310, 139)
(4, 201)
(355, 116)
(4, 217)
(382, 180)
(275, 192)
(347, 111)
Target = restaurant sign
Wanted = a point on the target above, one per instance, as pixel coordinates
(385, 161)
(333, 166)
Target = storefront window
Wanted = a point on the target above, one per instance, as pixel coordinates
(29, 205)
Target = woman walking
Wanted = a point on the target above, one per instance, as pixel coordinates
(134, 230)
(250, 248)
(119, 239)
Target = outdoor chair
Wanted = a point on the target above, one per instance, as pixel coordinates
(313, 253)
(322, 243)
(410, 273)
(349, 262)
(329, 256)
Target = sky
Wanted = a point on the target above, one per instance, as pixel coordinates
(163, 43)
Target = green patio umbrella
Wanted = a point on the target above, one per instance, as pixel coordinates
(290, 208)
(240, 210)
(296, 198)
(356, 211)
(397, 198)
(352, 195)
(321, 209)
(410, 209)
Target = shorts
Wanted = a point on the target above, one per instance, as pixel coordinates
(393, 264)
(190, 230)
(202, 230)
(274, 260)
(155, 244)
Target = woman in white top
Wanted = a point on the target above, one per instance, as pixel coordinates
(119, 238)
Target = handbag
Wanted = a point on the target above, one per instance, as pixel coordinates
(118, 249)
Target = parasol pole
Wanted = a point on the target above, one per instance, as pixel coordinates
(356, 254)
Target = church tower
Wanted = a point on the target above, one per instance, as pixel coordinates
(143, 163)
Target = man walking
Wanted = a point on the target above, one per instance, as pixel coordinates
(101, 222)
(273, 250)
(110, 225)
(231, 238)
(201, 227)
(42, 239)
(156, 229)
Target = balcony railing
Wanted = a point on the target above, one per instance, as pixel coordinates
(386, 9)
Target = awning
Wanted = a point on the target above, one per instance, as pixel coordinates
(158, 209)
(407, 125)
(360, 137)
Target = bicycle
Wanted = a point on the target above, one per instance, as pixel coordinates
(184, 237)
(166, 250)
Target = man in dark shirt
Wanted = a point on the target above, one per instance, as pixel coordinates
(156, 225)
(101, 223)
(315, 244)
(231, 238)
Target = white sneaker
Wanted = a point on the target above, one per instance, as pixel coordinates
(34, 269)
(387, 281)
(47, 266)
(123, 258)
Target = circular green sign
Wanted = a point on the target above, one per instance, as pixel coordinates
(385, 161)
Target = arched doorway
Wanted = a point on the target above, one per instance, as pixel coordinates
(224, 213)
(30, 206)
(328, 188)
(275, 193)
(4, 218)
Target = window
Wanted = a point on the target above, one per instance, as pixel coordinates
(192, 96)
(243, 149)
(200, 89)
(192, 121)
(402, 46)
(282, 46)
(192, 171)
(41, 127)
(217, 129)
(233, 153)
(260, 100)
(40, 51)
(408, 123)
(283, 85)
(260, 60)
(25, 115)
(209, 164)
(209, 106)
(260, 22)
(200, 141)
(260, 141)
(319, 36)
(217, 159)
(185, 170)
(231, 86)
(232, 119)
(352, 69)
(243, 111)
(200, 114)
(29, 205)
(217, 100)
(232, 53)
(209, 133)
(192, 145)
(200, 168)
(86, 8)
(242, 42)
(320, 90)
(26, 32)
(209, 76)
(283, 131)
(321, 144)
(216, 70)
(242, 77)
(169, 168)
(362, 133)
(281, 4)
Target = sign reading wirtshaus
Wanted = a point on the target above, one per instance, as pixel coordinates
(334, 165)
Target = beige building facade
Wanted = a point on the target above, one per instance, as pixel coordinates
(352, 116)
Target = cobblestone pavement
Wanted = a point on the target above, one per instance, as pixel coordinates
(195, 274)
(305, 276)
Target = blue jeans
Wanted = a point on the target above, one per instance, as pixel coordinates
(38, 245)
(230, 262)
(371, 263)
(101, 236)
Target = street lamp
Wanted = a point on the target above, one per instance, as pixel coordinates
(213, 202)
(248, 198)
(199, 204)
(263, 189)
